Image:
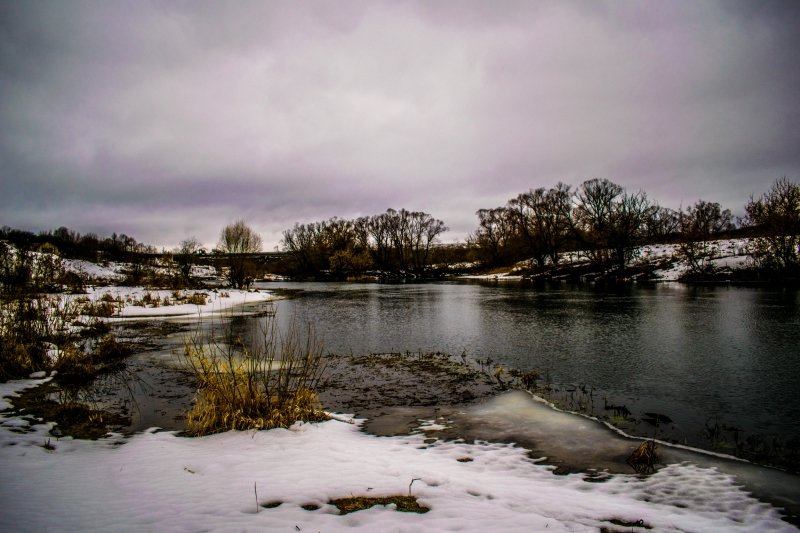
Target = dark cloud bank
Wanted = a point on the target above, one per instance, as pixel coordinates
(165, 120)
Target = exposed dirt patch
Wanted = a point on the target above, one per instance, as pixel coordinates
(405, 504)
(72, 417)
(144, 335)
(366, 385)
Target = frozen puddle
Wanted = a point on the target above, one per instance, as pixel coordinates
(580, 443)
(574, 444)
(266, 481)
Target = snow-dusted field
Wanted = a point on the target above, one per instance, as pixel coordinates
(134, 304)
(725, 253)
(110, 272)
(157, 481)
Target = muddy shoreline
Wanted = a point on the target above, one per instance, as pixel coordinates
(443, 397)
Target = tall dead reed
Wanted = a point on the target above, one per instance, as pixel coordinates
(270, 384)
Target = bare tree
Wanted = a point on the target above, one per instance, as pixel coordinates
(399, 237)
(525, 208)
(776, 218)
(379, 231)
(236, 240)
(184, 256)
(492, 239)
(627, 227)
(394, 240)
(361, 234)
(432, 228)
(542, 218)
(609, 221)
(699, 224)
(301, 243)
(313, 245)
(661, 223)
(592, 216)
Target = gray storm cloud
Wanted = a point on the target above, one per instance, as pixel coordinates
(164, 121)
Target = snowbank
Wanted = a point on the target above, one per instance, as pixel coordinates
(502, 276)
(94, 272)
(138, 302)
(111, 271)
(725, 253)
(158, 481)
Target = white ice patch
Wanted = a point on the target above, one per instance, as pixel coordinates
(431, 425)
(14, 423)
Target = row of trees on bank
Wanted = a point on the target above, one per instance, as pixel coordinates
(599, 217)
(79, 246)
(776, 216)
(609, 224)
(397, 241)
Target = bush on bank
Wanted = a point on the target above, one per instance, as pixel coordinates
(267, 385)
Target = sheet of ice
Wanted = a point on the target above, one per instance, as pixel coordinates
(158, 481)
(577, 442)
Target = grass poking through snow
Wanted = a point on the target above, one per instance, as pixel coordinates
(267, 385)
(406, 504)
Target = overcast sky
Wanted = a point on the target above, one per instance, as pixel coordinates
(164, 120)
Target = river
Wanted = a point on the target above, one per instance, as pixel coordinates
(721, 362)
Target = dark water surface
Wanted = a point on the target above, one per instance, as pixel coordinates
(706, 357)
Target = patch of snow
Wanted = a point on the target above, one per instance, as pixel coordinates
(673, 273)
(216, 301)
(274, 277)
(95, 271)
(159, 481)
(725, 253)
(732, 262)
(15, 423)
(203, 271)
(504, 276)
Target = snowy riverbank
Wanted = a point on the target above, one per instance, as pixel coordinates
(159, 481)
(139, 302)
(664, 260)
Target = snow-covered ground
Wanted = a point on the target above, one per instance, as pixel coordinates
(138, 302)
(500, 276)
(94, 272)
(157, 481)
(110, 272)
(726, 253)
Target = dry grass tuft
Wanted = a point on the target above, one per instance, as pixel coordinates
(644, 458)
(406, 504)
(272, 384)
(197, 298)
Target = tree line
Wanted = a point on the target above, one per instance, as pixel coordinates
(75, 245)
(609, 224)
(599, 218)
(394, 241)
